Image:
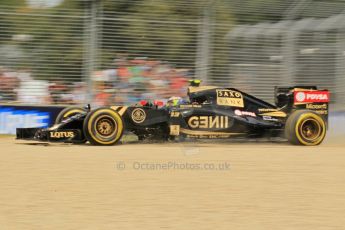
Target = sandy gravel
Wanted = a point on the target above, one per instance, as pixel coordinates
(257, 186)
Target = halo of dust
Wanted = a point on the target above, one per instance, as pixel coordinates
(269, 186)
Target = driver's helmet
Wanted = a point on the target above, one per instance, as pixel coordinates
(175, 101)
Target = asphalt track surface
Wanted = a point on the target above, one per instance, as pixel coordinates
(190, 185)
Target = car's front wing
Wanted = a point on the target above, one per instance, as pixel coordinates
(41, 134)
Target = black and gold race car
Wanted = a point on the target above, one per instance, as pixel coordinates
(300, 115)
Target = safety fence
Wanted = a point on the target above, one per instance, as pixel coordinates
(108, 52)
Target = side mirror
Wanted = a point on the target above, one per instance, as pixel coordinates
(88, 107)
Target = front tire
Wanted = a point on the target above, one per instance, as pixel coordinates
(305, 127)
(103, 126)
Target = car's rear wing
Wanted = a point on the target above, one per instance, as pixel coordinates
(303, 97)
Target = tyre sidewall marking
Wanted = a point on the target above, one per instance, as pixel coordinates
(73, 111)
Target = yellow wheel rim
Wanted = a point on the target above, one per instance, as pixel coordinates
(310, 129)
(105, 126)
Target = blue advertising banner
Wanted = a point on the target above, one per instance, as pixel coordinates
(21, 116)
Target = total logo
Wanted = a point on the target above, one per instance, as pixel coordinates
(244, 113)
(311, 96)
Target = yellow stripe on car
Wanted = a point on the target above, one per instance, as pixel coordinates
(274, 114)
(122, 110)
(201, 132)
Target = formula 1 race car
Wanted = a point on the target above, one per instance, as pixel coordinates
(300, 114)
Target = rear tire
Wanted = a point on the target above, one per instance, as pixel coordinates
(103, 126)
(304, 127)
(69, 112)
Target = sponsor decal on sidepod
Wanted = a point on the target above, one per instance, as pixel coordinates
(208, 122)
(244, 113)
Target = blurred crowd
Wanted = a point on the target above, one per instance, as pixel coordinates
(9, 82)
(127, 81)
